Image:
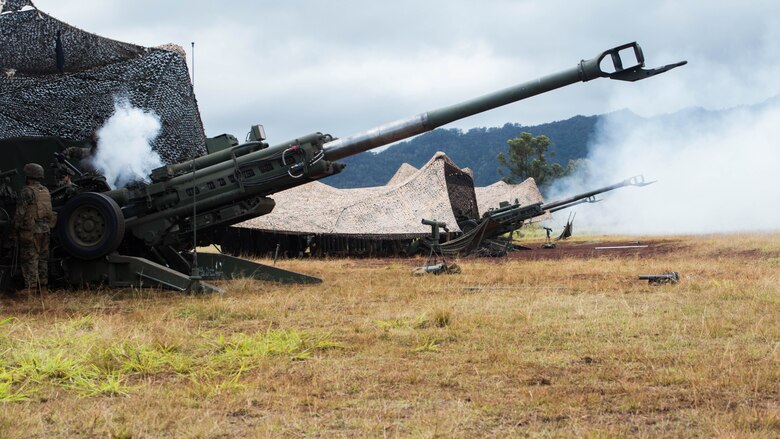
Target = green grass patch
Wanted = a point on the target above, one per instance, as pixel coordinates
(234, 351)
(428, 344)
(439, 319)
(95, 383)
(92, 366)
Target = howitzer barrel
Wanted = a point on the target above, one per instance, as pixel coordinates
(586, 70)
(584, 197)
(205, 161)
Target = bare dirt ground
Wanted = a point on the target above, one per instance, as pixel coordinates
(597, 248)
(575, 249)
(644, 248)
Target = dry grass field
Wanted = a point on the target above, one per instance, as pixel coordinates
(568, 346)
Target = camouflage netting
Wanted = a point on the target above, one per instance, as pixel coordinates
(62, 81)
(490, 197)
(405, 171)
(439, 190)
(382, 211)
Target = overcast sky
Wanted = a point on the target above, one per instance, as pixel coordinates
(345, 66)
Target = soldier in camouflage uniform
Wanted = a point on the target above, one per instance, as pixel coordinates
(81, 155)
(66, 182)
(33, 221)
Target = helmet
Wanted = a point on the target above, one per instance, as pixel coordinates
(33, 170)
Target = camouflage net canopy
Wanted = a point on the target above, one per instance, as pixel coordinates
(439, 190)
(489, 197)
(57, 80)
(526, 193)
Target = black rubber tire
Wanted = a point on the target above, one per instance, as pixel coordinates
(468, 225)
(90, 226)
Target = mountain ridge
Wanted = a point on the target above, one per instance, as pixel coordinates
(477, 148)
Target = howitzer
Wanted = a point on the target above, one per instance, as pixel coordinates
(143, 234)
(512, 216)
(485, 232)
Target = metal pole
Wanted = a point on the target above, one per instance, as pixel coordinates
(193, 67)
(195, 270)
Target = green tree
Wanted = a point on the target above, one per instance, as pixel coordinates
(527, 158)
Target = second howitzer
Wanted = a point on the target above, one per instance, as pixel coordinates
(110, 236)
(511, 217)
(485, 234)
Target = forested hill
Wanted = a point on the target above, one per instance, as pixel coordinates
(476, 148)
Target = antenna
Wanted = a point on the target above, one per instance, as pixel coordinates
(193, 66)
(195, 271)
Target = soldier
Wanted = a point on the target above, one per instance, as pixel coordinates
(77, 153)
(79, 156)
(83, 153)
(548, 243)
(33, 221)
(67, 182)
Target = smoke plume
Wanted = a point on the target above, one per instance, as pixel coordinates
(716, 172)
(124, 153)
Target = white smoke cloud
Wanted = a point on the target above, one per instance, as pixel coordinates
(716, 172)
(124, 153)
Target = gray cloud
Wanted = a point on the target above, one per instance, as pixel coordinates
(344, 66)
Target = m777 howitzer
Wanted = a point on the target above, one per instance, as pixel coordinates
(144, 235)
(511, 217)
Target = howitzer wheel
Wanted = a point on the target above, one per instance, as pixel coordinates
(468, 225)
(90, 226)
